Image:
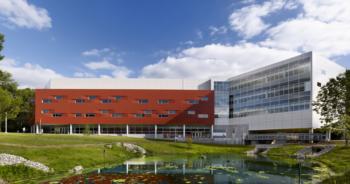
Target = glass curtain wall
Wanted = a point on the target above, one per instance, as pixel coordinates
(278, 89)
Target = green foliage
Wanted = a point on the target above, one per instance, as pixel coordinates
(2, 39)
(189, 142)
(18, 173)
(25, 117)
(5, 103)
(333, 103)
(345, 178)
(87, 129)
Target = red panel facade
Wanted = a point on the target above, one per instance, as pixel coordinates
(123, 107)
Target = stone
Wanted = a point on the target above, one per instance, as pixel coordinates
(132, 148)
(2, 181)
(7, 159)
(78, 169)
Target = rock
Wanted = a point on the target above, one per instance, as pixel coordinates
(78, 169)
(2, 181)
(110, 146)
(7, 159)
(132, 148)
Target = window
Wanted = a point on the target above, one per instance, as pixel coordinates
(57, 115)
(143, 101)
(148, 112)
(58, 97)
(106, 101)
(163, 101)
(104, 111)
(203, 116)
(118, 98)
(44, 111)
(191, 112)
(78, 114)
(204, 98)
(79, 101)
(163, 115)
(138, 115)
(46, 101)
(92, 97)
(118, 115)
(191, 101)
(171, 111)
(90, 115)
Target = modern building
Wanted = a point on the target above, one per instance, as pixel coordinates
(159, 108)
(255, 105)
(277, 98)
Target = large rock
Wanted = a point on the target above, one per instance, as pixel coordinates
(7, 159)
(78, 169)
(132, 148)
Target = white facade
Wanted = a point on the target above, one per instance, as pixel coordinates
(320, 70)
(103, 83)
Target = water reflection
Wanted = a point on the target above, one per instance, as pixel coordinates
(210, 169)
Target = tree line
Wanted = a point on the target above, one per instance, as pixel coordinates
(16, 105)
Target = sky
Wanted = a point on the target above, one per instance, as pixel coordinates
(197, 39)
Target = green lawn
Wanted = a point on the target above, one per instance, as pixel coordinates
(337, 160)
(63, 152)
(285, 153)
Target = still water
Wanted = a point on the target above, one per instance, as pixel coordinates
(205, 169)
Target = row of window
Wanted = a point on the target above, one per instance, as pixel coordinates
(121, 115)
(118, 98)
(275, 110)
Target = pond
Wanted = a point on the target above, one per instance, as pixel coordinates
(204, 169)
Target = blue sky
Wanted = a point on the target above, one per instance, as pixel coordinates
(174, 39)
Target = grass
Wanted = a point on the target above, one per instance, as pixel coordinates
(284, 153)
(337, 160)
(63, 152)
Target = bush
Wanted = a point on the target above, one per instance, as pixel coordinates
(87, 130)
(189, 142)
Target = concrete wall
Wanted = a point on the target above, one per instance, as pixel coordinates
(102, 83)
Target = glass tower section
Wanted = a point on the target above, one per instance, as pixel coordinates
(221, 92)
(275, 89)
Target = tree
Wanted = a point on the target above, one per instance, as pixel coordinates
(2, 39)
(333, 104)
(9, 100)
(5, 103)
(25, 117)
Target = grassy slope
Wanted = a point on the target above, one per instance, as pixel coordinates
(284, 153)
(338, 160)
(63, 152)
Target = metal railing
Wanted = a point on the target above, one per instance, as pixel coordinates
(287, 137)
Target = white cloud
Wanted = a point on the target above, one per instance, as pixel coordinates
(327, 10)
(23, 14)
(248, 21)
(217, 30)
(215, 60)
(322, 26)
(83, 74)
(199, 34)
(96, 52)
(117, 71)
(100, 65)
(328, 39)
(29, 75)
